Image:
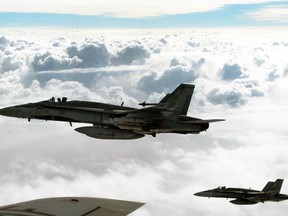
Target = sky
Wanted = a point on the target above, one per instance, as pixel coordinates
(143, 14)
(236, 56)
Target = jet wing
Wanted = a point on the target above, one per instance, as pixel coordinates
(71, 206)
(200, 121)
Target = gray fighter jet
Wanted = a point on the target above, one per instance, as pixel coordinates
(119, 122)
(271, 192)
(71, 206)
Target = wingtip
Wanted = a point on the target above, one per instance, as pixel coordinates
(220, 119)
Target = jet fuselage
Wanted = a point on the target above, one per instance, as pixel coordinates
(244, 196)
(119, 122)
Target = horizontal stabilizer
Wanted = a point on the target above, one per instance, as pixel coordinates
(188, 119)
(206, 121)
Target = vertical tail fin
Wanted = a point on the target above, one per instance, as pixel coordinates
(274, 187)
(180, 98)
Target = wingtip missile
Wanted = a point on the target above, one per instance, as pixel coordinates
(147, 104)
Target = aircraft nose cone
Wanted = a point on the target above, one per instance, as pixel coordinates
(200, 194)
(204, 194)
(9, 111)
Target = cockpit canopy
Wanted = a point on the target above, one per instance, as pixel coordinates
(53, 100)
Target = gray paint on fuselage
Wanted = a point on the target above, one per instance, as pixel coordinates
(247, 196)
(163, 117)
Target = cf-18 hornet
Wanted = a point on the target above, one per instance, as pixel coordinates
(119, 122)
(241, 196)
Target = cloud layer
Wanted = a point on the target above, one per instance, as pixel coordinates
(238, 75)
(127, 8)
(274, 13)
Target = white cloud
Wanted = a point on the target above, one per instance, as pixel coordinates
(48, 62)
(4, 42)
(127, 8)
(42, 159)
(274, 13)
(233, 97)
(231, 72)
(91, 54)
(168, 80)
(131, 54)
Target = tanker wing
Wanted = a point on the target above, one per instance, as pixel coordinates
(72, 206)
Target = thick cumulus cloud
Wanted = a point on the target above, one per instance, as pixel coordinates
(91, 54)
(171, 77)
(88, 54)
(231, 72)
(48, 62)
(9, 63)
(176, 73)
(10, 60)
(233, 97)
(241, 79)
(132, 54)
(4, 42)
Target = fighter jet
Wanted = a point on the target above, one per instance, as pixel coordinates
(72, 206)
(271, 192)
(119, 122)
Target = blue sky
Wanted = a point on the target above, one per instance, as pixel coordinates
(261, 14)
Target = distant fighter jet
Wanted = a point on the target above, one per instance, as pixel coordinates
(271, 192)
(71, 206)
(119, 122)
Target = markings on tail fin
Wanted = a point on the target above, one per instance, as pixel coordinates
(273, 186)
(180, 98)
